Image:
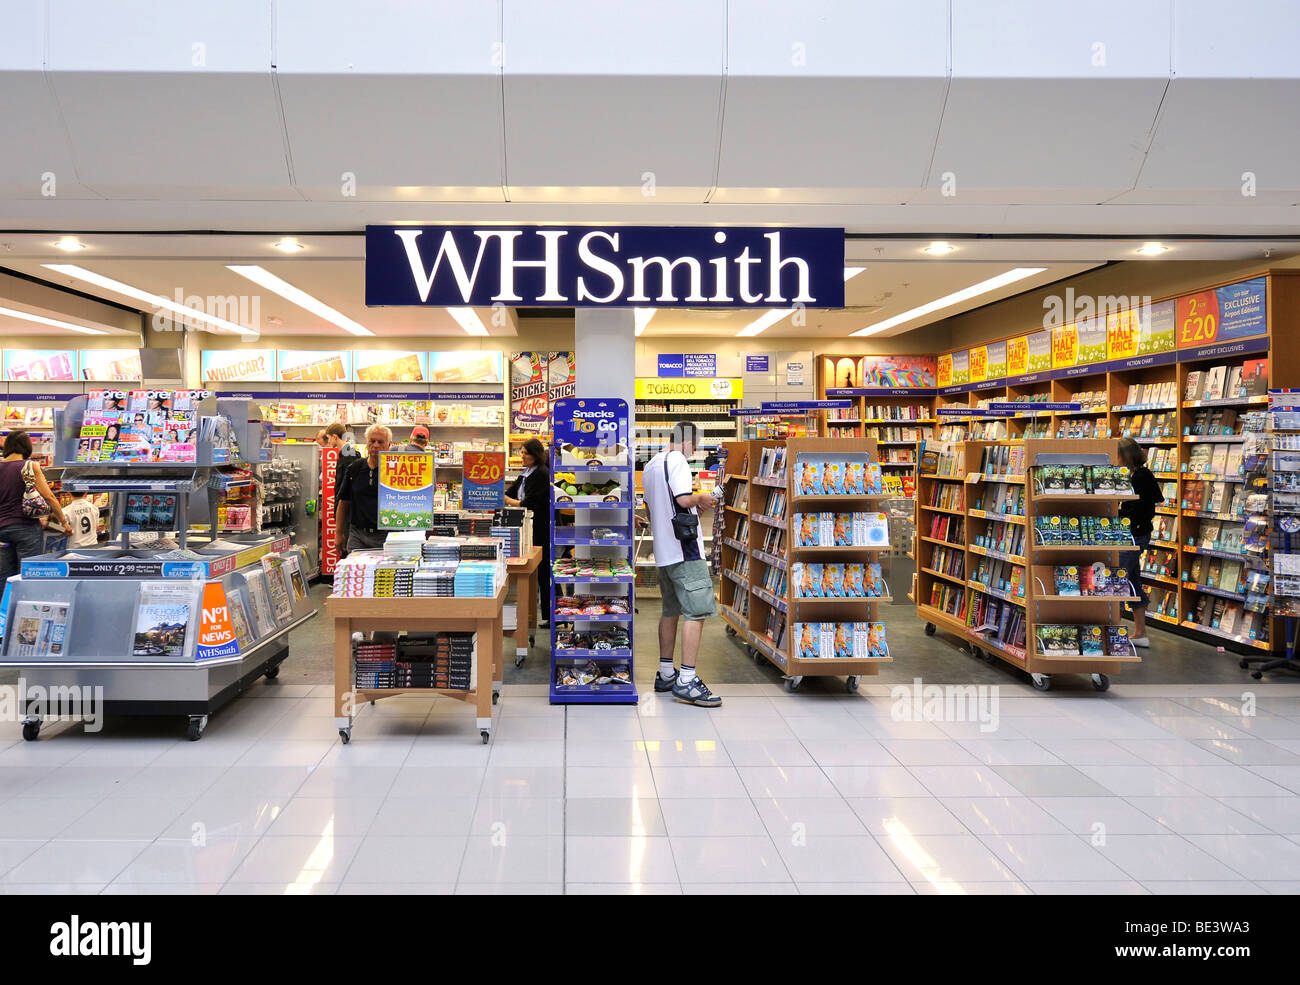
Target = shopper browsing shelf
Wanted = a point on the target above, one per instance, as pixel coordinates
(419, 440)
(322, 439)
(20, 532)
(532, 490)
(684, 579)
(1140, 513)
(358, 497)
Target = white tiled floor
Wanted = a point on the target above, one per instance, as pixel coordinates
(1145, 789)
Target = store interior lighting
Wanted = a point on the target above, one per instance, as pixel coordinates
(52, 322)
(468, 319)
(772, 316)
(264, 278)
(948, 300)
(149, 298)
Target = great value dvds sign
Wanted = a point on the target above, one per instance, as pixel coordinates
(618, 266)
(329, 524)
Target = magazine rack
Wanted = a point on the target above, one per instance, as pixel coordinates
(192, 665)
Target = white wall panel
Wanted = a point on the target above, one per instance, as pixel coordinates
(1248, 39)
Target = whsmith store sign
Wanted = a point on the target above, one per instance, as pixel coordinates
(615, 266)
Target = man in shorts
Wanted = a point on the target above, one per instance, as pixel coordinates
(685, 581)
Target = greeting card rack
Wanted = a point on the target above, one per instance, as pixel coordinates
(592, 556)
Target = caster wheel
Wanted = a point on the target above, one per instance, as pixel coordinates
(197, 724)
(792, 683)
(1100, 682)
(1042, 682)
(496, 696)
(1258, 675)
(851, 685)
(990, 657)
(346, 735)
(1244, 665)
(484, 733)
(532, 640)
(729, 631)
(929, 629)
(978, 654)
(31, 730)
(519, 661)
(273, 672)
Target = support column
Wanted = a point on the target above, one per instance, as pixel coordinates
(604, 345)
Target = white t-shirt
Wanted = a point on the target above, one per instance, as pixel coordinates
(83, 523)
(668, 549)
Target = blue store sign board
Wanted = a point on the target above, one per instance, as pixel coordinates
(593, 266)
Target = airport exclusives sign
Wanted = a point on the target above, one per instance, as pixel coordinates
(611, 267)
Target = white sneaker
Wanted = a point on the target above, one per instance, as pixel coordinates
(1141, 641)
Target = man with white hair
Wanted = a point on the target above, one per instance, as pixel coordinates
(358, 497)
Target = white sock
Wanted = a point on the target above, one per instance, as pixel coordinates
(686, 675)
(666, 669)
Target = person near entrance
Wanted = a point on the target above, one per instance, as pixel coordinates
(1140, 512)
(21, 535)
(419, 439)
(358, 497)
(532, 490)
(684, 579)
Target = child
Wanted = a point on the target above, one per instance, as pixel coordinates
(83, 522)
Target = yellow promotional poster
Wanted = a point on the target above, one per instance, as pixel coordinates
(1018, 355)
(406, 490)
(945, 370)
(979, 364)
(1123, 330)
(674, 388)
(1065, 347)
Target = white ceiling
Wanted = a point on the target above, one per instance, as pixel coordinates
(1132, 117)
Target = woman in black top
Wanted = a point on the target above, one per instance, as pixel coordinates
(532, 490)
(1140, 513)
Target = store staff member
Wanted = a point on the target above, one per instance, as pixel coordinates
(358, 497)
(532, 490)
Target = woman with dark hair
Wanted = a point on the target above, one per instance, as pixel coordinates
(532, 490)
(21, 534)
(1140, 512)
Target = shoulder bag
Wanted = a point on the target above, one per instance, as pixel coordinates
(686, 525)
(34, 505)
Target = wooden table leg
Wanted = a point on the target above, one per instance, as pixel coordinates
(343, 691)
(489, 653)
(524, 613)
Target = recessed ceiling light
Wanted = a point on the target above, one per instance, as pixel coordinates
(289, 245)
(53, 322)
(948, 300)
(939, 248)
(851, 272)
(763, 322)
(642, 318)
(1152, 249)
(70, 244)
(468, 319)
(264, 278)
(155, 300)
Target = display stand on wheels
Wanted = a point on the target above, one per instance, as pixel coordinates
(591, 619)
(161, 631)
(415, 616)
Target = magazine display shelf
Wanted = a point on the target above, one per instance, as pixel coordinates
(416, 616)
(747, 553)
(213, 666)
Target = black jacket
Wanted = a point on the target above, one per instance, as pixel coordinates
(1140, 511)
(536, 497)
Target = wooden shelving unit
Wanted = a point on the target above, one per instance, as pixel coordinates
(746, 605)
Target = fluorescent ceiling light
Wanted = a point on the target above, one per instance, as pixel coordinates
(468, 319)
(155, 300)
(948, 300)
(763, 322)
(939, 248)
(1153, 249)
(54, 323)
(70, 244)
(264, 278)
(851, 272)
(642, 318)
(289, 245)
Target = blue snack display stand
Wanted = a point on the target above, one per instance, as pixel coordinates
(591, 442)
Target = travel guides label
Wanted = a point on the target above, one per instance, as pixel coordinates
(406, 491)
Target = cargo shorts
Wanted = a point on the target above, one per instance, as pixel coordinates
(687, 590)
